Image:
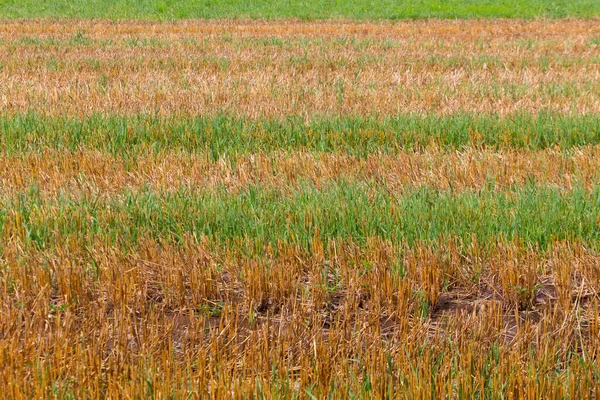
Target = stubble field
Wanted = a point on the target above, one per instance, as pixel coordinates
(288, 209)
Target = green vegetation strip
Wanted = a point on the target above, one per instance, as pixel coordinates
(316, 9)
(344, 209)
(229, 136)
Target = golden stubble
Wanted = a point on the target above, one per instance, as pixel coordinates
(101, 321)
(280, 68)
(460, 30)
(88, 172)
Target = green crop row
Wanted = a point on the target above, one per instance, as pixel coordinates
(225, 135)
(343, 209)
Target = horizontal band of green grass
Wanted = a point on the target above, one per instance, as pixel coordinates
(345, 209)
(225, 135)
(315, 9)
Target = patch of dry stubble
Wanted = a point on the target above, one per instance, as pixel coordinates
(89, 171)
(281, 68)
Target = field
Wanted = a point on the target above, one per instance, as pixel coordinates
(299, 209)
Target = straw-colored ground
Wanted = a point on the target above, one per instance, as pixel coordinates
(300, 210)
(276, 69)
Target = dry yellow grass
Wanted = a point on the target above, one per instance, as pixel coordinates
(461, 30)
(281, 68)
(89, 171)
(181, 319)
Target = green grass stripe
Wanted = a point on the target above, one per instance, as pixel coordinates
(349, 210)
(374, 9)
(229, 136)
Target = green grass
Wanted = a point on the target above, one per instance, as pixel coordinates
(230, 136)
(344, 209)
(317, 9)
